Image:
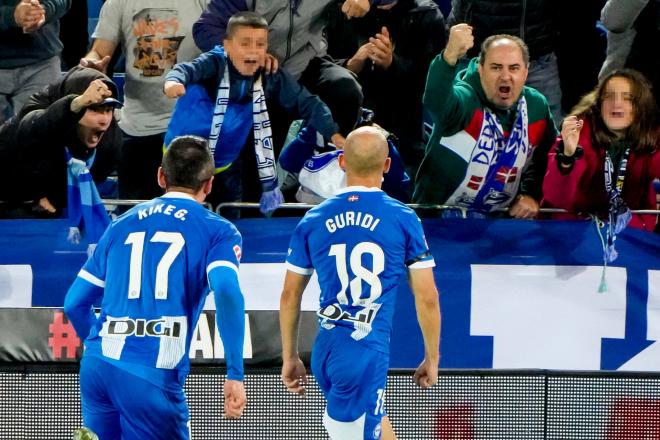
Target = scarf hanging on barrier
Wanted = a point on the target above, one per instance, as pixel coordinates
(271, 196)
(618, 213)
(85, 208)
(494, 170)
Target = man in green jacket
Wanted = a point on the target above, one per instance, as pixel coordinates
(491, 134)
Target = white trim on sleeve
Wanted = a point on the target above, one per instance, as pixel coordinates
(299, 270)
(424, 264)
(91, 278)
(215, 264)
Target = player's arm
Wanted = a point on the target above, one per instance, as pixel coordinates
(230, 319)
(294, 374)
(86, 289)
(428, 315)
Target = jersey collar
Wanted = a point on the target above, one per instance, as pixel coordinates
(359, 188)
(177, 195)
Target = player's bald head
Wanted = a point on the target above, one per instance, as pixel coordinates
(365, 151)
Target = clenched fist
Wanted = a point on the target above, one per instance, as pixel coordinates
(460, 41)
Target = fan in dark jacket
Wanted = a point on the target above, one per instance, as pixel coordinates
(74, 114)
(390, 50)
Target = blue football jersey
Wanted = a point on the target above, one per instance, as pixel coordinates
(153, 263)
(360, 243)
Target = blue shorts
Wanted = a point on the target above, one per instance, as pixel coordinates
(117, 405)
(353, 379)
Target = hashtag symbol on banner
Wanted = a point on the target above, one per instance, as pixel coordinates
(63, 336)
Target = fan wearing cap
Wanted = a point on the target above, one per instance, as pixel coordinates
(72, 117)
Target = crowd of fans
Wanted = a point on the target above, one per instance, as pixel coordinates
(521, 117)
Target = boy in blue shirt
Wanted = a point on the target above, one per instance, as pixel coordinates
(152, 269)
(360, 243)
(232, 76)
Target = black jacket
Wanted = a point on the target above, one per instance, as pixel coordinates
(417, 31)
(32, 143)
(535, 21)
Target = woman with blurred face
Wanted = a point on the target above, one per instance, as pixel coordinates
(608, 154)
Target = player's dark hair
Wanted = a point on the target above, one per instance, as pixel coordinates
(187, 163)
(245, 18)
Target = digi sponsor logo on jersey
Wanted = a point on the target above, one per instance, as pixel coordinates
(169, 326)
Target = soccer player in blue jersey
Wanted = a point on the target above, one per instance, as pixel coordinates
(153, 269)
(360, 243)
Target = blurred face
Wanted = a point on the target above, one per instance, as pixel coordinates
(503, 73)
(247, 49)
(617, 105)
(93, 125)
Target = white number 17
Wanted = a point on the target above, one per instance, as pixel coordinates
(136, 241)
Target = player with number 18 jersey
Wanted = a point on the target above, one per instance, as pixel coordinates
(360, 243)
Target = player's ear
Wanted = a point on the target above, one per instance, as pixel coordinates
(208, 185)
(342, 161)
(161, 178)
(386, 167)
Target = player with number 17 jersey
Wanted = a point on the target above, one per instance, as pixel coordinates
(360, 243)
(153, 263)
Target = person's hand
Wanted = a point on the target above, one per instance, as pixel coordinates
(355, 8)
(525, 207)
(45, 205)
(29, 15)
(570, 134)
(381, 51)
(294, 376)
(356, 63)
(270, 64)
(460, 41)
(173, 89)
(426, 375)
(338, 141)
(100, 65)
(95, 93)
(235, 399)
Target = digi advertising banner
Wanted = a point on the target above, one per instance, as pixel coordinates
(514, 294)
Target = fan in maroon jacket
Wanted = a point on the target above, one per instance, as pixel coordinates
(611, 135)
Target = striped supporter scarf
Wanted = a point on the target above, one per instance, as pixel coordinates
(271, 196)
(86, 211)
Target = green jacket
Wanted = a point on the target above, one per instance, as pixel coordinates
(456, 105)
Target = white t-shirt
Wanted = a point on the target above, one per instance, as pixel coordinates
(154, 35)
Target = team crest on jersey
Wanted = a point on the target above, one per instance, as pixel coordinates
(377, 431)
(353, 198)
(237, 251)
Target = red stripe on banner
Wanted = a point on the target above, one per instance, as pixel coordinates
(634, 419)
(455, 423)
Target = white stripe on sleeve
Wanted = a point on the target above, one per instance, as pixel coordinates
(91, 278)
(299, 270)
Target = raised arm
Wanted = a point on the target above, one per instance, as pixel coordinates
(428, 315)
(441, 97)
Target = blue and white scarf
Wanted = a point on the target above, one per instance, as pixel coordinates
(271, 196)
(494, 170)
(85, 208)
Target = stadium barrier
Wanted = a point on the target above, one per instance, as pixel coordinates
(42, 402)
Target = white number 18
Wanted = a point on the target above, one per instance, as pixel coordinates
(361, 273)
